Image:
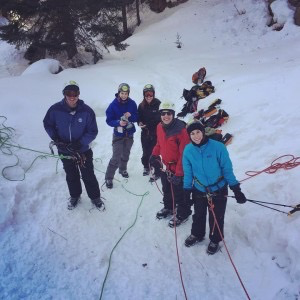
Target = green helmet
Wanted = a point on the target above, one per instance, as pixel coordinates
(148, 88)
(124, 87)
(71, 86)
(167, 105)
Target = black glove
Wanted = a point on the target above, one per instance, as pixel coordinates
(74, 146)
(175, 180)
(239, 195)
(154, 161)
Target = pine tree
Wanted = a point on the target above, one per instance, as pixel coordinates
(61, 26)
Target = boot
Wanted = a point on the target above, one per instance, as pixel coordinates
(73, 201)
(98, 203)
(212, 248)
(124, 174)
(178, 220)
(163, 213)
(146, 172)
(109, 183)
(192, 240)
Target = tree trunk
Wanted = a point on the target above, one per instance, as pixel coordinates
(137, 3)
(124, 20)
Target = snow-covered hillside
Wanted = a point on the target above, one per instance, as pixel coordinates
(49, 252)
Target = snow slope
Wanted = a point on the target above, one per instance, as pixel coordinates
(48, 252)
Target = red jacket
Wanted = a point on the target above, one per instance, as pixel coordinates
(170, 145)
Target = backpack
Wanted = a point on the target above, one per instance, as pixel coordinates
(198, 77)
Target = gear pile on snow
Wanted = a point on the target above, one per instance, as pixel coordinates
(213, 117)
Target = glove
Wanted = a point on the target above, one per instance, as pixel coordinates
(154, 160)
(238, 194)
(79, 159)
(74, 146)
(175, 180)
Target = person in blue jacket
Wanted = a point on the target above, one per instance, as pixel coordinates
(121, 115)
(71, 124)
(207, 171)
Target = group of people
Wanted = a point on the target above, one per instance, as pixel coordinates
(194, 170)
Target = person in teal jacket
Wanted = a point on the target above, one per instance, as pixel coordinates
(207, 170)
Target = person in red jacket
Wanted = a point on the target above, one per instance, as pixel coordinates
(172, 137)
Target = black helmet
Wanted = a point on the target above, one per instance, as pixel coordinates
(148, 88)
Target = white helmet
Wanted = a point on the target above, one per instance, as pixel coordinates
(167, 105)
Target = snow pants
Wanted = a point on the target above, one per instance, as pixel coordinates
(183, 207)
(88, 176)
(121, 151)
(148, 143)
(200, 210)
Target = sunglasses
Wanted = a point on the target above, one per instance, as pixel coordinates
(149, 94)
(168, 113)
(71, 93)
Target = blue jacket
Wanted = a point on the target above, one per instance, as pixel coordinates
(207, 166)
(114, 113)
(69, 126)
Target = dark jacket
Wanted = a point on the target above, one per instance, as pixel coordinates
(67, 125)
(149, 116)
(171, 141)
(114, 113)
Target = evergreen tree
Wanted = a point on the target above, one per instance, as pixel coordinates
(61, 26)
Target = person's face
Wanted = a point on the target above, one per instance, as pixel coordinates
(124, 95)
(166, 116)
(149, 96)
(196, 136)
(71, 98)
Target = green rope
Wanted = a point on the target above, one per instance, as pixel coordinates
(111, 253)
(6, 134)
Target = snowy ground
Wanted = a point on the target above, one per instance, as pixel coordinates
(48, 252)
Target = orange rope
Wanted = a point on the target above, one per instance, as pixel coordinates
(293, 162)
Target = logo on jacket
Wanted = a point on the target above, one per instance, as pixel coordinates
(80, 120)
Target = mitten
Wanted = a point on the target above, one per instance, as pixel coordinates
(239, 195)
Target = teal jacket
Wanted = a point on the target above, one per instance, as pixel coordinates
(207, 166)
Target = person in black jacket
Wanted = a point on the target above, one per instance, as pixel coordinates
(148, 118)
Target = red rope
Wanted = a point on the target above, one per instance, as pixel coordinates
(216, 223)
(177, 252)
(293, 162)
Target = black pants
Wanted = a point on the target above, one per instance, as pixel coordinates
(183, 208)
(200, 210)
(88, 177)
(148, 143)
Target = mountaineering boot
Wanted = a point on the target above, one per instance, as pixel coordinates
(73, 201)
(212, 248)
(124, 174)
(146, 172)
(178, 220)
(163, 213)
(98, 203)
(109, 183)
(153, 178)
(192, 240)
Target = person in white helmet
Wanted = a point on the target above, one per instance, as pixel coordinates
(172, 137)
